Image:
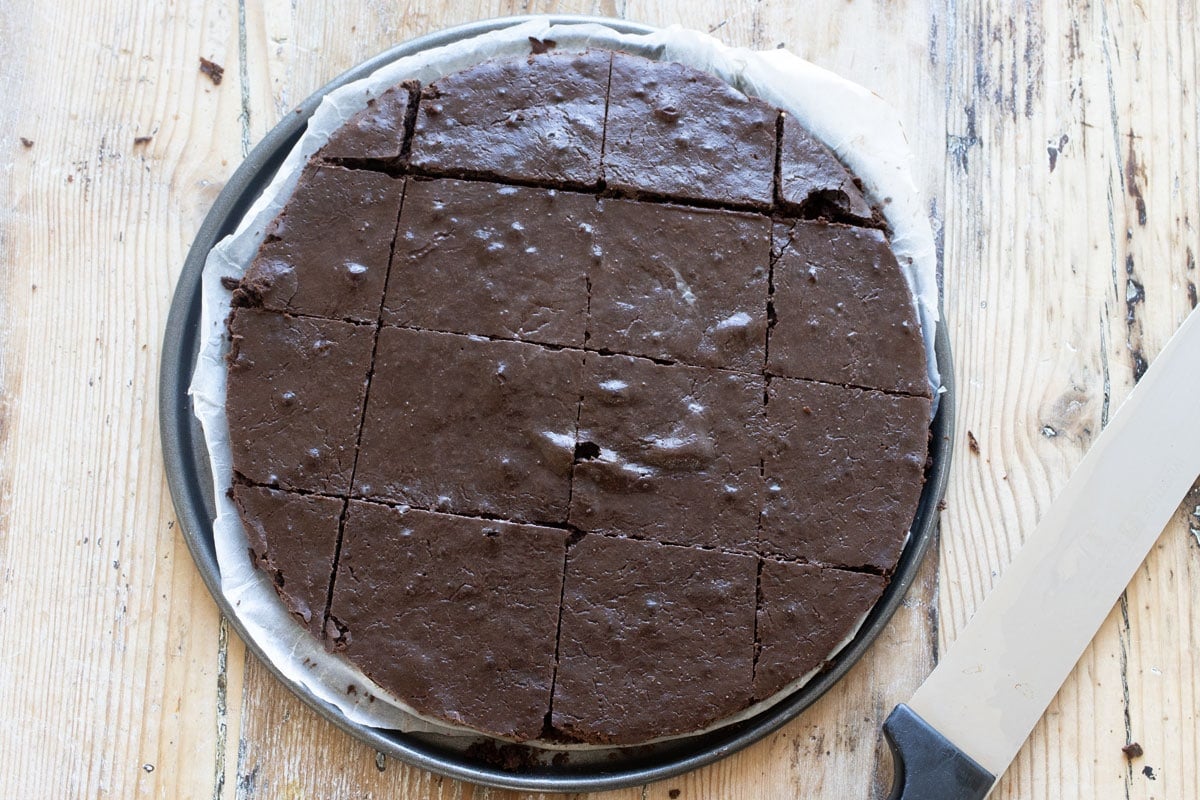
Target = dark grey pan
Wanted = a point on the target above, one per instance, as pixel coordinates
(191, 489)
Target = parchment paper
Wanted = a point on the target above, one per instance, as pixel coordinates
(863, 130)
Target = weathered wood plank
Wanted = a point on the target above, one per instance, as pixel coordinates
(109, 637)
(1066, 268)
(1157, 206)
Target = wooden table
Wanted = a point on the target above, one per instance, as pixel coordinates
(1058, 148)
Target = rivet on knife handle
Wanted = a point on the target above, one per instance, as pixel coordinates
(927, 765)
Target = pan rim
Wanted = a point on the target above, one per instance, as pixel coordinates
(191, 487)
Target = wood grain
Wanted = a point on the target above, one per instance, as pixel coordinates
(1058, 146)
(109, 638)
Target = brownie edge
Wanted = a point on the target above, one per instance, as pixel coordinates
(805, 612)
(536, 118)
(655, 640)
(455, 616)
(286, 429)
(292, 539)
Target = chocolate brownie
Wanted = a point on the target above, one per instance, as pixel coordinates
(286, 427)
(685, 284)
(293, 538)
(493, 260)
(626, 429)
(844, 470)
(843, 310)
(674, 131)
(469, 425)
(377, 132)
(456, 616)
(536, 118)
(804, 612)
(813, 182)
(327, 253)
(654, 640)
(669, 453)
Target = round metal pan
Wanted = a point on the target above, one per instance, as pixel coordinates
(190, 481)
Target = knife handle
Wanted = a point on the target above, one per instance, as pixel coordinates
(927, 765)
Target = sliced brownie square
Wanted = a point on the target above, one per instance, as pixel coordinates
(469, 425)
(286, 428)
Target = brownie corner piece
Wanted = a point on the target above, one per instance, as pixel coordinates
(327, 253)
(675, 131)
(470, 425)
(850, 501)
(669, 651)
(844, 312)
(806, 614)
(812, 181)
(286, 428)
(377, 133)
(454, 615)
(292, 539)
(536, 118)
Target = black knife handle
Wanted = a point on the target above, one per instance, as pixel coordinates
(927, 765)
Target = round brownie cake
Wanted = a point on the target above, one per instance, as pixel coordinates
(577, 397)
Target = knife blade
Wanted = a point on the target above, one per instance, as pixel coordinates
(967, 721)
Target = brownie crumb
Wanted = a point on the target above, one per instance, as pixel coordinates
(1132, 750)
(140, 140)
(26, 143)
(337, 635)
(673, 794)
(586, 451)
(213, 70)
(539, 46)
(972, 443)
(248, 292)
(1148, 771)
(561, 759)
(508, 757)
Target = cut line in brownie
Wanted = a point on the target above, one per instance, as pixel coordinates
(804, 612)
(495, 260)
(286, 428)
(747, 550)
(812, 182)
(462, 424)
(844, 470)
(669, 453)
(533, 118)
(455, 616)
(674, 131)
(843, 310)
(327, 252)
(292, 539)
(655, 640)
(684, 284)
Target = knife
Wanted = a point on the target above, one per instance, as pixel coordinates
(967, 721)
